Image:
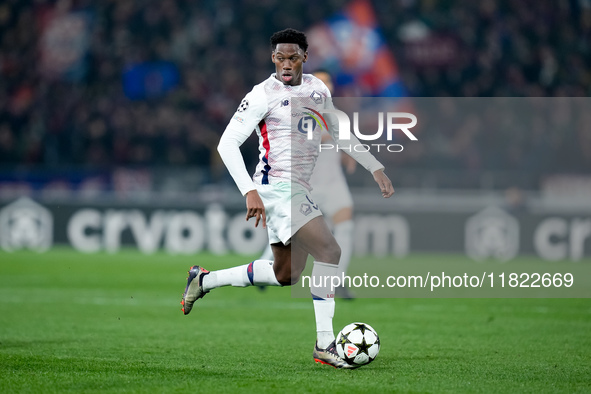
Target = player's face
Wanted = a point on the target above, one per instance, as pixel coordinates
(289, 62)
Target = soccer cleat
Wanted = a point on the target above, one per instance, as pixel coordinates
(194, 289)
(329, 356)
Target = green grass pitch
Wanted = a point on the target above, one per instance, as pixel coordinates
(71, 322)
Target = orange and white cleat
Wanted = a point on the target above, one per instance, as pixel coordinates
(329, 356)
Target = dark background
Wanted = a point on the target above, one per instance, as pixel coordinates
(73, 127)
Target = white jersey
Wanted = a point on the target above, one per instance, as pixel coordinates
(286, 154)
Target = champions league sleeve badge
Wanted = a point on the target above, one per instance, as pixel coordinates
(243, 105)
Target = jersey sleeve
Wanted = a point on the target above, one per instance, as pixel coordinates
(250, 112)
(366, 159)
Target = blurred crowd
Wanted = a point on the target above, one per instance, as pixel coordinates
(83, 116)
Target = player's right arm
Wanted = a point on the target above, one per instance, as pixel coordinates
(251, 111)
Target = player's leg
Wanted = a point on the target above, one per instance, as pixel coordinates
(290, 261)
(267, 255)
(200, 281)
(315, 239)
(277, 272)
(332, 194)
(259, 272)
(343, 232)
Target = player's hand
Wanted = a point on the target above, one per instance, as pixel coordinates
(255, 208)
(384, 182)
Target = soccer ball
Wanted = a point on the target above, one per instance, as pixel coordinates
(358, 344)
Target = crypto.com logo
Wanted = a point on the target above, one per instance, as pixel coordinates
(344, 133)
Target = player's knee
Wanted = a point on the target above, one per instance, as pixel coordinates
(331, 253)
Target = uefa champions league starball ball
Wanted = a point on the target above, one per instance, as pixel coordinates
(358, 344)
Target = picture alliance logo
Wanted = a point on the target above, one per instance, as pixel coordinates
(395, 122)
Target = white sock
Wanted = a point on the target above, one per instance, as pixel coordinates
(343, 233)
(323, 299)
(259, 272)
(235, 276)
(263, 273)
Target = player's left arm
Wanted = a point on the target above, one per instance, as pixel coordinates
(384, 183)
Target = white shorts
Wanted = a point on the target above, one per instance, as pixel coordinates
(288, 207)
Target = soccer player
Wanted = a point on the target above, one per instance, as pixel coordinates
(331, 193)
(281, 180)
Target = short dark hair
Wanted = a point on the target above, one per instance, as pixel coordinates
(290, 36)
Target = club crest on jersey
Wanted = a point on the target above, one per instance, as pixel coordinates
(316, 97)
(284, 103)
(243, 105)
